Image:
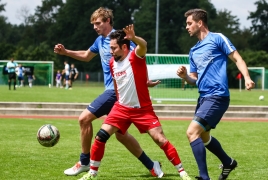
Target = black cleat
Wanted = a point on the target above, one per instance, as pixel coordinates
(226, 170)
(198, 178)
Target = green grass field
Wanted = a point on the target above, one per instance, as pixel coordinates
(23, 158)
(88, 93)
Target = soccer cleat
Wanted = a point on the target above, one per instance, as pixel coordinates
(76, 169)
(157, 171)
(198, 178)
(185, 177)
(89, 176)
(227, 169)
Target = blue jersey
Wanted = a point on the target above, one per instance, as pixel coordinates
(208, 58)
(102, 46)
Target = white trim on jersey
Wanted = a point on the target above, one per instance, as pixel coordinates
(226, 41)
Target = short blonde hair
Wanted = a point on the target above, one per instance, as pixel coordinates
(104, 13)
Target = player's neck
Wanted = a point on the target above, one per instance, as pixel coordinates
(107, 31)
(203, 34)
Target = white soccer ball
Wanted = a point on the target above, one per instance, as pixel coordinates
(48, 135)
(261, 98)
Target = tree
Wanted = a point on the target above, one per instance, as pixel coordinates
(259, 28)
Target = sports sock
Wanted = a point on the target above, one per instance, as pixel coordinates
(84, 158)
(15, 85)
(173, 156)
(97, 152)
(146, 161)
(199, 152)
(9, 85)
(214, 146)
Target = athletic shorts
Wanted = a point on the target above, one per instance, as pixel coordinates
(122, 117)
(212, 108)
(103, 104)
(66, 77)
(20, 78)
(72, 77)
(12, 76)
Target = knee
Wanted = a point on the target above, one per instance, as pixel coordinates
(120, 137)
(102, 136)
(191, 135)
(84, 121)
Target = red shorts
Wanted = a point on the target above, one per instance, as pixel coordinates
(122, 117)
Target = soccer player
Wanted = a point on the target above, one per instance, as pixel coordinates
(73, 75)
(67, 74)
(11, 67)
(129, 72)
(208, 64)
(20, 73)
(31, 78)
(58, 79)
(102, 20)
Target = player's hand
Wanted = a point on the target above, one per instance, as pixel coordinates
(152, 84)
(129, 30)
(249, 84)
(182, 72)
(59, 49)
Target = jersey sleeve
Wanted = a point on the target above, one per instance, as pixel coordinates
(132, 45)
(224, 44)
(193, 67)
(95, 48)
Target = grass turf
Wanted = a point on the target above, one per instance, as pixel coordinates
(23, 158)
(88, 93)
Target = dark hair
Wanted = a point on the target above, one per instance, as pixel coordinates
(198, 14)
(119, 35)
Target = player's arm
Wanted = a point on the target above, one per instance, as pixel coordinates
(190, 79)
(76, 74)
(79, 55)
(241, 65)
(141, 48)
(115, 88)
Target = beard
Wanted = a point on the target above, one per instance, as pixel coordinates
(117, 58)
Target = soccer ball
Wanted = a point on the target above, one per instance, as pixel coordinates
(48, 135)
(261, 98)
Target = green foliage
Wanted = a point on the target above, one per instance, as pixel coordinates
(19, 144)
(259, 27)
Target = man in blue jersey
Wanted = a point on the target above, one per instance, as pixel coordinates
(208, 64)
(11, 69)
(102, 20)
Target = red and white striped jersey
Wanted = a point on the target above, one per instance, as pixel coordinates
(130, 76)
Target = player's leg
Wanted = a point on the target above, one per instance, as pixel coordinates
(67, 82)
(99, 107)
(170, 151)
(9, 81)
(14, 81)
(217, 106)
(209, 111)
(116, 120)
(134, 147)
(146, 120)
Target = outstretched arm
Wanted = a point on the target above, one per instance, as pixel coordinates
(141, 48)
(79, 55)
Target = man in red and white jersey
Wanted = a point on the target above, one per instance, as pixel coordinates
(129, 73)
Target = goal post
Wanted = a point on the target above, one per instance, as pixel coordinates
(42, 70)
(257, 74)
(163, 67)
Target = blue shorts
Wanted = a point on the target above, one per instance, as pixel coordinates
(211, 109)
(103, 104)
(66, 77)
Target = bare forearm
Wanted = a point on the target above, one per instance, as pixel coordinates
(190, 80)
(78, 55)
(140, 41)
(241, 65)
